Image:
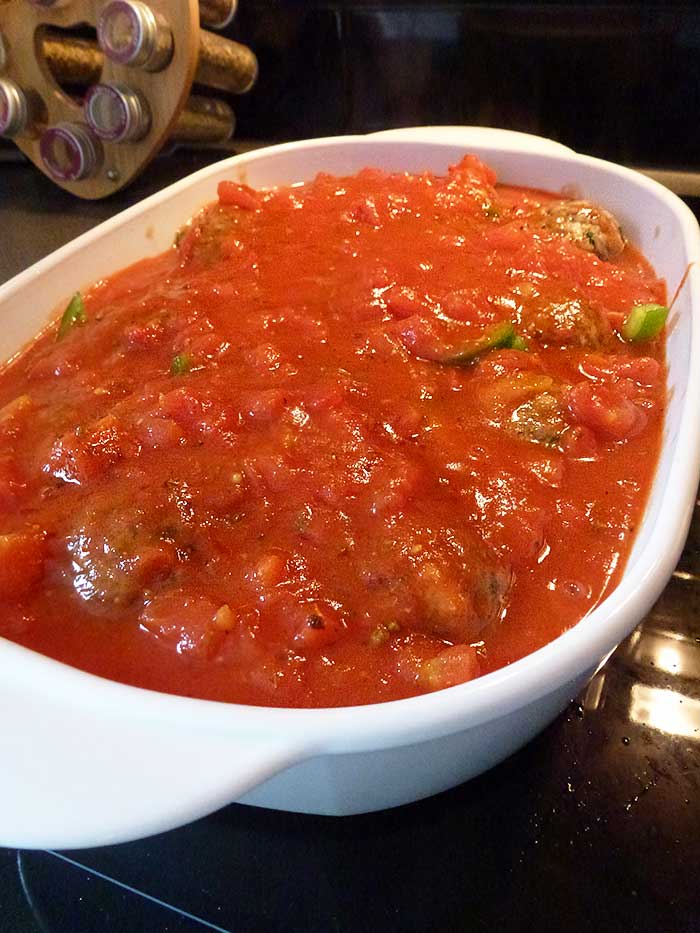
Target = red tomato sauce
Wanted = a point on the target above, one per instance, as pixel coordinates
(346, 442)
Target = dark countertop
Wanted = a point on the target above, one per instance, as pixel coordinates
(593, 826)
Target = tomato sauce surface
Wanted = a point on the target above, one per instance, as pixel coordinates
(346, 442)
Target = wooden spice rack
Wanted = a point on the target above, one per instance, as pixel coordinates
(23, 25)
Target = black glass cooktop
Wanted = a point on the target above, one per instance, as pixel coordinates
(594, 826)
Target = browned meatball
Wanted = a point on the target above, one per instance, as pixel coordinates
(525, 404)
(570, 322)
(202, 238)
(421, 588)
(590, 227)
(114, 555)
(540, 419)
(458, 607)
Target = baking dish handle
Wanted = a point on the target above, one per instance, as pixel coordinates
(72, 778)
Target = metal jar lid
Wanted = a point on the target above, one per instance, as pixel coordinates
(70, 151)
(14, 109)
(116, 112)
(130, 33)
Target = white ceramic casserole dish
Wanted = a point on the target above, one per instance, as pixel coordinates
(85, 761)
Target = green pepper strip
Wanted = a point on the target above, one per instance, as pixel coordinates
(644, 322)
(500, 336)
(519, 343)
(181, 364)
(73, 316)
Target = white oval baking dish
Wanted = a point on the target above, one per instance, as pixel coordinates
(85, 761)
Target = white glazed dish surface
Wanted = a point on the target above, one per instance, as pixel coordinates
(85, 761)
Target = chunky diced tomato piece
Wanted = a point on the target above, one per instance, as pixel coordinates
(472, 169)
(22, 557)
(524, 532)
(579, 443)
(183, 406)
(268, 472)
(11, 486)
(267, 573)
(468, 305)
(369, 175)
(14, 414)
(504, 362)
(154, 562)
(82, 458)
(605, 411)
(365, 212)
(69, 462)
(232, 193)
(393, 487)
(262, 406)
(324, 397)
(548, 470)
(108, 441)
(188, 623)
(410, 653)
(374, 276)
(642, 370)
(512, 520)
(264, 356)
(402, 302)
(314, 522)
(452, 666)
(205, 347)
(400, 420)
(159, 433)
(506, 239)
(423, 337)
(145, 335)
(323, 626)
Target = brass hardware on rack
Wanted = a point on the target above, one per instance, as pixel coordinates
(225, 65)
(205, 120)
(71, 60)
